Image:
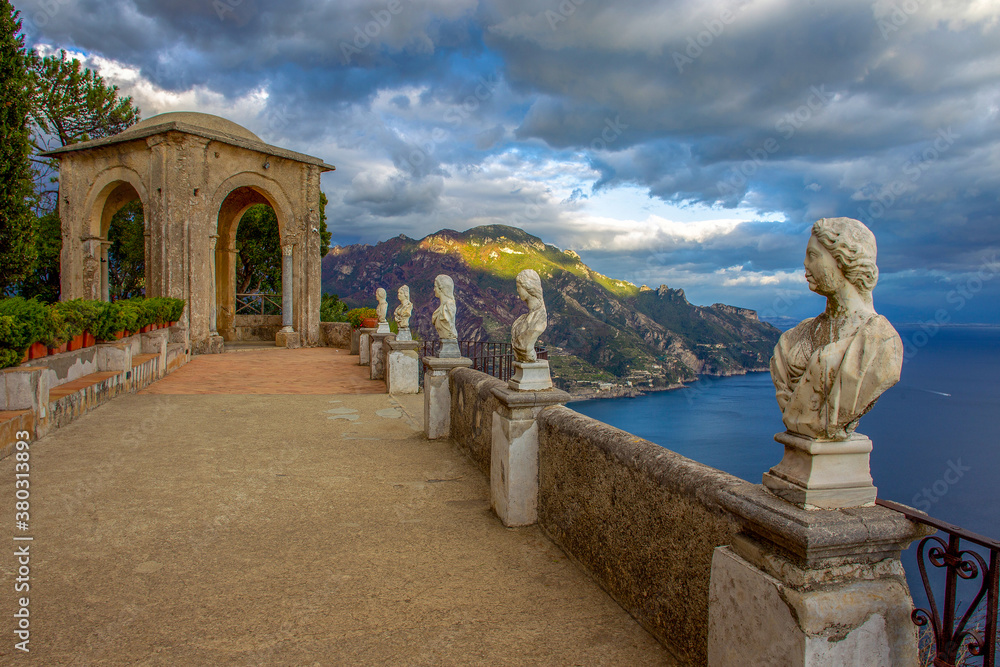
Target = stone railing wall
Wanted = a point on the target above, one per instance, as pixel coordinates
(472, 406)
(643, 520)
(719, 570)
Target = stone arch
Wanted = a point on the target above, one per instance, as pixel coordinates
(231, 200)
(112, 189)
(183, 167)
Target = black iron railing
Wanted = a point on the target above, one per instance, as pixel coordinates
(950, 630)
(258, 304)
(496, 359)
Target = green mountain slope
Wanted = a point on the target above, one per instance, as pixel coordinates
(600, 329)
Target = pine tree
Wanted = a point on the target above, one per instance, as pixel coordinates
(17, 221)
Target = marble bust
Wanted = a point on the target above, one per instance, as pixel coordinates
(383, 305)
(443, 318)
(404, 309)
(830, 369)
(528, 327)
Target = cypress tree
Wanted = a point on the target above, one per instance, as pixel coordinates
(17, 221)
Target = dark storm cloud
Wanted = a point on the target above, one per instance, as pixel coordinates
(446, 110)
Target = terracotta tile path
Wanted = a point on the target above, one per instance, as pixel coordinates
(263, 370)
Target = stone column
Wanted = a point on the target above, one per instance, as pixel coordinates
(365, 345)
(402, 374)
(92, 271)
(375, 355)
(287, 336)
(213, 323)
(811, 587)
(105, 271)
(514, 463)
(437, 394)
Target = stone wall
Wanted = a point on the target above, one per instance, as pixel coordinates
(256, 327)
(472, 408)
(643, 520)
(336, 334)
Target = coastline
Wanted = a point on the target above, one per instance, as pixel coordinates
(634, 392)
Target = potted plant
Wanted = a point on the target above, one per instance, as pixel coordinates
(363, 317)
(32, 327)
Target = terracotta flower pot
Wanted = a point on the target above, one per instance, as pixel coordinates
(146, 329)
(369, 322)
(76, 343)
(88, 339)
(120, 334)
(59, 349)
(37, 351)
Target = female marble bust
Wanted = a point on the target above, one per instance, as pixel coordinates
(383, 306)
(528, 327)
(404, 309)
(443, 318)
(829, 370)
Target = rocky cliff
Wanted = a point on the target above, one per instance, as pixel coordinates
(600, 329)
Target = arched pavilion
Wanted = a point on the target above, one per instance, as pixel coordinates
(195, 175)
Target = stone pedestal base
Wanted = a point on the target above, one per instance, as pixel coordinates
(383, 328)
(514, 462)
(288, 339)
(810, 588)
(365, 346)
(155, 342)
(214, 344)
(404, 334)
(531, 376)
(437, 395)
(817, 474)
(376, 355)
(756, 619)
(403, 369)
(449, 349)
(355, 341)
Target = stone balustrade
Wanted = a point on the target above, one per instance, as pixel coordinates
(720, 570)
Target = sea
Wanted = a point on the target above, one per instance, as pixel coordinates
(935, 435)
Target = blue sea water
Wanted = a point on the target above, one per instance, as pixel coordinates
(935, 433)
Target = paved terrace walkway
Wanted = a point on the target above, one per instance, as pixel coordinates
(178, 527)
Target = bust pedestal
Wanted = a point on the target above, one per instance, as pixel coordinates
(514, 454)
(823, 474)
(402, 373)
(377, 355)
(437, 394)
(365, 346)
(810, 588)
(383, 328)
(449, 349)
(530, 376)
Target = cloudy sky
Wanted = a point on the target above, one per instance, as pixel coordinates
(682, 143)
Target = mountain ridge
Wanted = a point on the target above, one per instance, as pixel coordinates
(601, 330)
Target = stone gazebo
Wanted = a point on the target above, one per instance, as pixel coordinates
(195, 175)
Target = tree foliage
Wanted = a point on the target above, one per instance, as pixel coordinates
(127, 254)
(17, 222)
(258, 246)
(258, 268)
(70, 104)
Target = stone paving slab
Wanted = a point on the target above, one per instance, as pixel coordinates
(287, 530)
(271, 370)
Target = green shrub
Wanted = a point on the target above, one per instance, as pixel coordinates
(332, 309)
(176, 309)
(80, 314)
(32, 322)
(8, 356)
(355, 315)
(108, 321)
